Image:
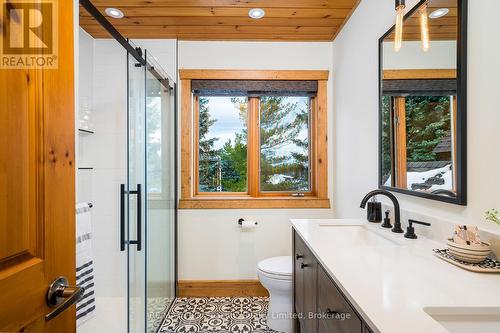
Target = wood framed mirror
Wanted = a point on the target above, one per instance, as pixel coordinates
(423, 103)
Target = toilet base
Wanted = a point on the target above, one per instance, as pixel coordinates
(279, 314)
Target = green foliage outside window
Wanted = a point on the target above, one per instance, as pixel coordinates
(225, 169)
(282, 120)
(428, 120)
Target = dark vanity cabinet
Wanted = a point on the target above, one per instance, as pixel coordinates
(319, 304)
(305, 286)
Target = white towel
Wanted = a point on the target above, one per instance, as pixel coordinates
(85, 308)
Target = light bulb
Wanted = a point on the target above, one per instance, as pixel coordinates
(398, 38)
(424, 28)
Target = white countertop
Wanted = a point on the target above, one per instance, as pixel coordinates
(390, 279)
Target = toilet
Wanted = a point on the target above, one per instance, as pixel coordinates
(275, 274)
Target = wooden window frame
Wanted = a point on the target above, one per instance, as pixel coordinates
(190, 198)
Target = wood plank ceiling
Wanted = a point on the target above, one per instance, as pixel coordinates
(285, 20)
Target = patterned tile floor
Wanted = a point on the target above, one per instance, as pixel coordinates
(157, 308)
(217, 314)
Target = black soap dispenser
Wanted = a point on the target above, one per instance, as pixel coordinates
(374, 211)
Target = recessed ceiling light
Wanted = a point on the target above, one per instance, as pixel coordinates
(114, 13)
(439, 13)
(256, 13)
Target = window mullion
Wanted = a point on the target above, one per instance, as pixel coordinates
(253, 146)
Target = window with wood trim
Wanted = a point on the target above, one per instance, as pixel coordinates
(254, 139)
(423, 143)
(419, 131)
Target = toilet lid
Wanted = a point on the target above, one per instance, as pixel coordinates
(277, 265)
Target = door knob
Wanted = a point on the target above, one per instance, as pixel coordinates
(61, 296)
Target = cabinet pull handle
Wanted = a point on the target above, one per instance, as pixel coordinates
(298, 256)
(302, 266)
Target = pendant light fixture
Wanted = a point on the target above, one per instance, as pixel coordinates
(424, 28)
(400, 11)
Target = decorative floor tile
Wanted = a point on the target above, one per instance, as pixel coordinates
(217, 314)
(156, 310)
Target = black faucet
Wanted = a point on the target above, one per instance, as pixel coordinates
(397, 215)
(410, 230)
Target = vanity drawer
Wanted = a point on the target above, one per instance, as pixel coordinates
(330, 300)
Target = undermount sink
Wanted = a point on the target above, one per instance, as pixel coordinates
(362, 234)
(466, 319)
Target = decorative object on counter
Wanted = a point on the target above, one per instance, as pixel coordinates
(473, 253)
(466, 245)
(492, 215)
(387, 220)
(410, 230)
(487, 266)
(374, 211)
(467, 235)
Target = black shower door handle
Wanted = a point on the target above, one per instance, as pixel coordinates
(138, 241)
(139, 217)
(122, 217)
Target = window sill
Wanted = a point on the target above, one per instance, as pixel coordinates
(253, 203)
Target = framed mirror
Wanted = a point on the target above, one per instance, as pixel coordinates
(423, 102)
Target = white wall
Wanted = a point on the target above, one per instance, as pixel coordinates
(211, 246)
(356, 113)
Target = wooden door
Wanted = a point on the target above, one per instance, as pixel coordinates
(37, 191)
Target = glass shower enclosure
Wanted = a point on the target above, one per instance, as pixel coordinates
(149, 195)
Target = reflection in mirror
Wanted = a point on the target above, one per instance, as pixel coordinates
(418, 104)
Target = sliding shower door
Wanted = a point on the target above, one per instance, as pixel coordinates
(160, 203)
(135, 189)
(150, 193)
